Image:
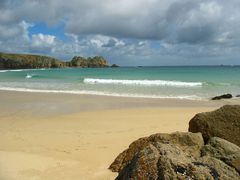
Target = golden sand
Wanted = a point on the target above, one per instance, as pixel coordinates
(43, 138)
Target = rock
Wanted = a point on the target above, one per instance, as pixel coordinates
(238, 95)
(223, 123)
(223, 150)
(224, 96)
(176, 156)
(90, 62)
(182, 139)
(114, 65)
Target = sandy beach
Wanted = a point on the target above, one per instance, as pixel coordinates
(63, 136)
(83, 82)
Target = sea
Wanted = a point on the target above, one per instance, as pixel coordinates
(174, 82)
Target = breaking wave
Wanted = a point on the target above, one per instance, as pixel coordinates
(143, 82)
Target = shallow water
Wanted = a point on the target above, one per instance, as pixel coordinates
(152, 82)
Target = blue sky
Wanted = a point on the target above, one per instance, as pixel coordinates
(41, 27)
(136, 32)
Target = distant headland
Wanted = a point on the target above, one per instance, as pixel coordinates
(28, 61)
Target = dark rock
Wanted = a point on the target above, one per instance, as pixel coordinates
(114, 65)
(223, 123)
(238, 95)
(224, 96)
(176, 156)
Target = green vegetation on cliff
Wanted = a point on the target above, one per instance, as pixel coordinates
(25, 61)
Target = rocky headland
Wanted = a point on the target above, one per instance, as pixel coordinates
(97, 61)
(26, 61)
(209, 151)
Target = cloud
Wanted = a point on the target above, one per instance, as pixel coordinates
(128, 31)
(101, 41)
(194, 22)
(125, 19)
(42, 43)
(176, 20)
(39, 40)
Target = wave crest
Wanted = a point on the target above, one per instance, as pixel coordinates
(143, 82)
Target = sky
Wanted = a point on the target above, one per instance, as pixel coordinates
(125, 32)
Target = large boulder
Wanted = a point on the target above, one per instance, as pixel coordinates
(223, 150)
(223, 123)
(184, 140)
(178, 156)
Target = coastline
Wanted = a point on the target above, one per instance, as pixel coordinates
(66, 136)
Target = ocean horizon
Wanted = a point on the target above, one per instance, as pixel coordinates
(168, 82)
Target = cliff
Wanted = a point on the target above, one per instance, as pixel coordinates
(26, 61)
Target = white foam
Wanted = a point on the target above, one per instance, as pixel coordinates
(19, 70)
(28, 76)
(143, 82)
(14, 70)
(100, 93)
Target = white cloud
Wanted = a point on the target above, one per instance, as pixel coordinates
(14, 30)
(43, 43)
(40, 40)
(101, 41)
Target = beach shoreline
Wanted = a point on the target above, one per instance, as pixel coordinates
(63, 136)
(56, 104)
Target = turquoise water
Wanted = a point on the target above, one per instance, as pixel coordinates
(152, 82)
